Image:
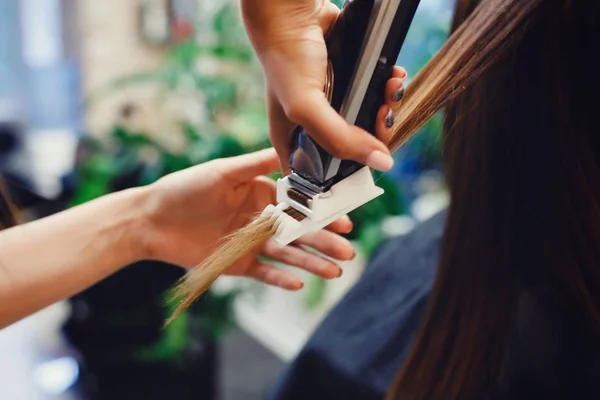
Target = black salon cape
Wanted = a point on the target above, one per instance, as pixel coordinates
(356, 351)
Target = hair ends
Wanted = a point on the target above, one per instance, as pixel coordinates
(235, 246)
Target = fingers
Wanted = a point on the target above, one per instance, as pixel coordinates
(385, 121)
(399, 72)
(325, 242)
(394, 89)
(264, 193)
(341, 225)
(394, 92)
(274, 276)
(328, 243)
(335, 135)
(330, 130)
(303, 259)
(246, 167)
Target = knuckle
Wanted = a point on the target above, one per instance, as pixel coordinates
(277, 253)
(339, 148)
(305, 260)
(295, 109)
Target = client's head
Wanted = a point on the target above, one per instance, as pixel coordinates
(522, 235)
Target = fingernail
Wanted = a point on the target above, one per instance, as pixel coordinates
(347, 220)
(340, 273)
(353, 255)
(380, 161)
(389, 119)
(350, 228)
(398, 94)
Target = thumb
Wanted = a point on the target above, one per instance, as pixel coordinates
(336, 136)
(248, 166)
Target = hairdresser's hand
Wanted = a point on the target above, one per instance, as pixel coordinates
(288, 36)
(192, 210)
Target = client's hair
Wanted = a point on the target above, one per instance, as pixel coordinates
(9, 212)
(515, 309)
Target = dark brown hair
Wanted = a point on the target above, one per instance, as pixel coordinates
(515, 309)
(9, 213)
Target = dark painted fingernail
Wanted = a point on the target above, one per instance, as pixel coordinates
(389, 119)
(398, 94)
(341, 272)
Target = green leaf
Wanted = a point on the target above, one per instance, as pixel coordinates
(230, 31)
(218, 91)
(250, 125)
(232, 53)
(185, 54)
(191, 133)
(392, 199)
(314, 291)
(216, 313)
(171, 346)
(131, 140)
(88, 190)
(276, 175)
(214, 147)
(370, 238)
(173, 163)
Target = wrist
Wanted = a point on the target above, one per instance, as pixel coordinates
(134, 224)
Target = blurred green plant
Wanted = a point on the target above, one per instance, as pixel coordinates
(315, 288)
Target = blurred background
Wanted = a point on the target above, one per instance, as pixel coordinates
(98, 96)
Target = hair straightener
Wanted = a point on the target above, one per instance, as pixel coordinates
(363, 48)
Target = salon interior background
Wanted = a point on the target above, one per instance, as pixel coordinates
(96, 96)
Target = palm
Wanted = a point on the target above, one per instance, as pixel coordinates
(248, 200)
(197, 222)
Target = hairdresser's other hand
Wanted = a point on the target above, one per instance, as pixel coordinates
(191, 210)
(288, 36)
